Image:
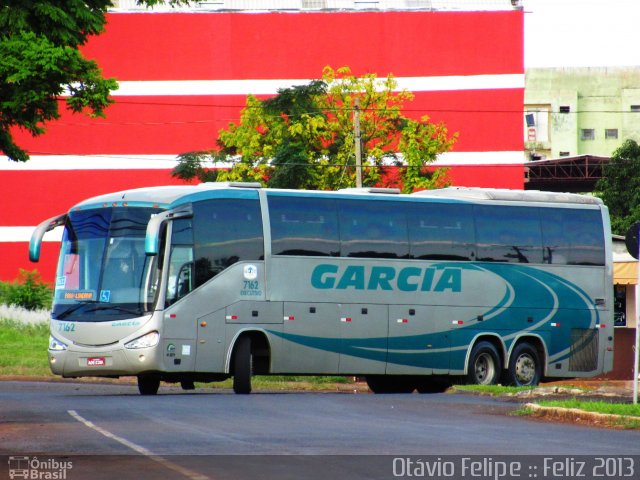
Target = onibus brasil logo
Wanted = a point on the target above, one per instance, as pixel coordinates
(38, 469)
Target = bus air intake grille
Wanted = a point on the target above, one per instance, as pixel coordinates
(584, 350)
(86, 345)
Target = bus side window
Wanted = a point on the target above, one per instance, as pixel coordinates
(573, 237)
(304, 226)
(586, 237)
(556, 247)
(180, 275)
(373, 229)
(508, 234)
(225, 231)
(441, 231)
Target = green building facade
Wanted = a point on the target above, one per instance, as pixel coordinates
(580, 111)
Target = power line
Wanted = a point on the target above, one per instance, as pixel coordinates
(371, 109)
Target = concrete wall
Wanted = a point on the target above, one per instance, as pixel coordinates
(596, 98)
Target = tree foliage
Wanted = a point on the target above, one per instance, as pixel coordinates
(40, 63)
(620, 187)
(29, 291)
(304, 137)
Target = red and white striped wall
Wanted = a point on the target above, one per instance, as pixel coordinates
(184, 76)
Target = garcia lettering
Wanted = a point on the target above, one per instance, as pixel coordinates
(408, 279)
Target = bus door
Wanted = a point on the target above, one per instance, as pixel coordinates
(419, 340)
(210, 350)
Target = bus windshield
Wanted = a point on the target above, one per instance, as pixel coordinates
(103, 273)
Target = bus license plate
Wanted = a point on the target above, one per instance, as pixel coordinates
(96, 362)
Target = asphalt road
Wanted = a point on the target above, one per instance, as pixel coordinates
(109, 431)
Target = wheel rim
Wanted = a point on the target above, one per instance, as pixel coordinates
(525, 369)
(484, 369)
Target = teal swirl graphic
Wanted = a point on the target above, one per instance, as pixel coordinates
(532, 301)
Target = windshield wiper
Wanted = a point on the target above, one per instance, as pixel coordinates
(98, 306)
(75, 308)
(119, 308)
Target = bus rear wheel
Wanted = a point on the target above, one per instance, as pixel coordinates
(242, 366)
(525, 368)
(484, 364)
(148, 385)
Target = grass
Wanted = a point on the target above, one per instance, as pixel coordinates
(24, 348)
(284, 382)
(626, 409)
(25, 341)
(623, 415)
(493, 390)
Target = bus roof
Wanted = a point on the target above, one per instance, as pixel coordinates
(162, 196)
(165, 196)
(509, 195)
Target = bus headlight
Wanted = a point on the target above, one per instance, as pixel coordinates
(145, 341)
(56, 345)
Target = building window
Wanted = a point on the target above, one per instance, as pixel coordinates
(536, 123)
(366, 4)
(314, 4)
(565, 109)
(565, 154)
(588, 134)
(635, 108)
(418, 4)
(611, 133)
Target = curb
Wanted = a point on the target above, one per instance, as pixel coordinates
(575, 414)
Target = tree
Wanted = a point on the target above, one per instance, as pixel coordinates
(304, 137)
(619, 187)
(40, 62)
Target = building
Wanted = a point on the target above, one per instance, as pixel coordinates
(575, 118)
(184, 74)
(625, 279)
(571, 112)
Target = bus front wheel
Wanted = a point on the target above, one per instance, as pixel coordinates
(484, 365)
(242, 366)
(148, 385)
(525, 368)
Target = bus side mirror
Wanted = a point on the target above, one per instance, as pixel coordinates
(152, 237)
(36, 237)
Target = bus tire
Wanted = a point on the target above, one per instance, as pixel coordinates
(148, 385)
(187, 385)
(484, 364)
(525, 368)
(390, 384)
(242, 366)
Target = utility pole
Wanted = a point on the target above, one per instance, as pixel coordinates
(636, 354)
(356, 131)
(632, 241)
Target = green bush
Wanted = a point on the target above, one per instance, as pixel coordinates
(29, 291)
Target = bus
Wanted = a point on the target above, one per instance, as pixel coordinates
(207, 282)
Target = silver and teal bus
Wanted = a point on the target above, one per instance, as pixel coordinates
(202, 283)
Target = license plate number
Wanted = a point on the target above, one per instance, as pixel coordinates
(96, 362)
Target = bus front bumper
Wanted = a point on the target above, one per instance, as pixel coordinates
(113, 362)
